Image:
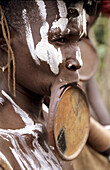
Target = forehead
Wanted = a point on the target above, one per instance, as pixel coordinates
(13, 11)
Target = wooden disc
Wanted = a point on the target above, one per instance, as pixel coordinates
(71, 125)
(90, 60)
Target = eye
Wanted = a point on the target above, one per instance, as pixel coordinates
(60, 41)
(73, 12)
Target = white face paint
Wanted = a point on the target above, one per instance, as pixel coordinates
(63, 21)
(29, 37)
(78, 57)
(44, 50)
(62, 8)
(83, 21)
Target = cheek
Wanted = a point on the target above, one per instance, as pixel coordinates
(43, 50)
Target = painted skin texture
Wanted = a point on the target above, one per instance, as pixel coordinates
(45, 54)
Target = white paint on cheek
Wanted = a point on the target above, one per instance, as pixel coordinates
(61, 23)
(78, 57)
(44, 50)
(29, 37)
(47, 52)
(62, 8)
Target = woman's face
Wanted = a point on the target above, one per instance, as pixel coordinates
(48, 43)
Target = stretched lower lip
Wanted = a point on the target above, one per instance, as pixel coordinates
(55, 115)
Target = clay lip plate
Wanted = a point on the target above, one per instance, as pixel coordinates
(71, 123)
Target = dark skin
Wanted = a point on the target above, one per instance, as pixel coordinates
(33, 83)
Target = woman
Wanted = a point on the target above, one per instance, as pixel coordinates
(38, 51)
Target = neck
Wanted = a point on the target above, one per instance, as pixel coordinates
(25, 101)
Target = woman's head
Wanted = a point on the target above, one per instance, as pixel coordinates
(44, 36)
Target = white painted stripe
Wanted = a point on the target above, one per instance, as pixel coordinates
(1, 100)
(42, 8)
(62, 8)
(44, 50)
(84, 22)
(29, 36)
(3, 158)
(45, 108)
(78, 57)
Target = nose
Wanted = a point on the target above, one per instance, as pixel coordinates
(72, 64)
(73, 59)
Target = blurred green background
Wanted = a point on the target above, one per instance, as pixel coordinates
(100, 36)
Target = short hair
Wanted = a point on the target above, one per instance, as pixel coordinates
(13, 11)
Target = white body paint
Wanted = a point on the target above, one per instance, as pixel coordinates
(44, 50)
(47, 52)
(62, 8)
(2, 157)
(45, 108)
(82, 20)
(29, 37)
(78, 57)
(1, 100)
(62, 21)
(23, 154)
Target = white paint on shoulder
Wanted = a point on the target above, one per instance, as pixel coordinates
(78, 57)
(18, 110)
